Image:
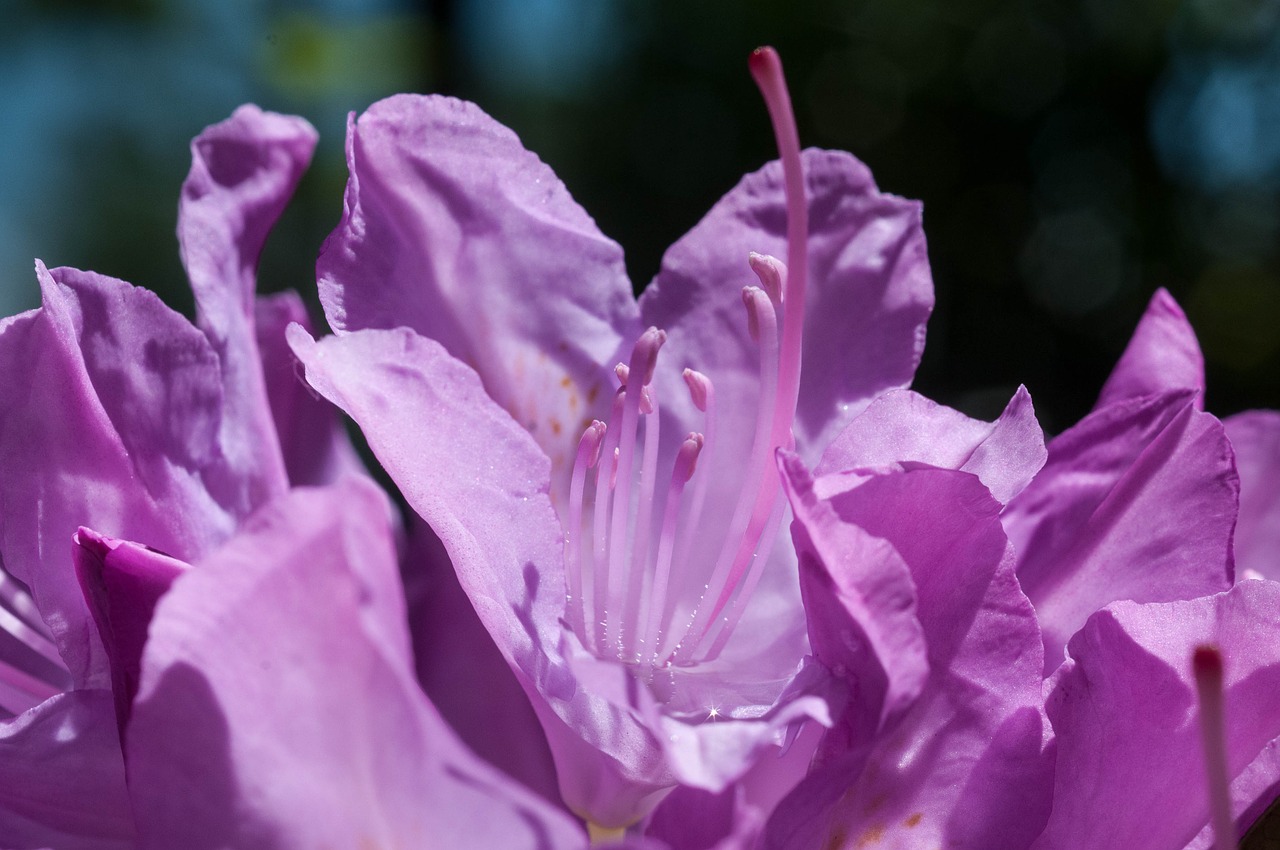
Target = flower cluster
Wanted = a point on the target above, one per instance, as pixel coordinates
(690, 571)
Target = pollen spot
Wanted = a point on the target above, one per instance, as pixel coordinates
(566, 382)
(875, 803)
(914, 820)
(871, 836)
(556, 427)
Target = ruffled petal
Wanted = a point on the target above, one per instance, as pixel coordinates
(1255, 438)
(111, 419)
(279, 708)
(453, 229)
(465, 675)
(312, 438)
(481, 483)
(1137, 501)
(62, 779)
(905, 427)
(1130, 761)
(860, 604)
(243, 172)
(966, 765)
(122, 582)
(870, 293)
(1162, 356)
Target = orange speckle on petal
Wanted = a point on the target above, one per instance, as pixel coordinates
(566, 382)
(914, 820)
(556, 427)
(871, 836)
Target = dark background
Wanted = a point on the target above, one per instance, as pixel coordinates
(1073, 156)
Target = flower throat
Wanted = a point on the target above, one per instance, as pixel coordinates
(619, 560)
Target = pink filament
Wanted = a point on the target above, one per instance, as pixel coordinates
(644, 358)
(686, 462)
(588, 456)
(606, 472)
(644, 521)
(722, 576)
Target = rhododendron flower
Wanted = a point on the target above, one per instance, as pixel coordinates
(621, 547)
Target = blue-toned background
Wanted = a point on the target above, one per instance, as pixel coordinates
(1072, 155)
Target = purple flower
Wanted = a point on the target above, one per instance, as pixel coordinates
(619, 547)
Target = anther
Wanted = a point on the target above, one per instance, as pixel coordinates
(1206, 663)
(699, 388)
(751, 296)
(772, 274)
(645, 354)
(592, 441)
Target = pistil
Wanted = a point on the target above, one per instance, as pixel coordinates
(1207, 664)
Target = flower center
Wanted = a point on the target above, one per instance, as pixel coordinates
(619, 561)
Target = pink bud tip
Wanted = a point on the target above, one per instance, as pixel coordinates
(622, 372)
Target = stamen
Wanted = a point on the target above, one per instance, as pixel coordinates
(644, 358)
(643, 525)
(753, 314)
(766, 68)
(772, 274)
(748, 587)
(686, 464)
(606, 481)
(727, 571)
(703, 393)
(1206, 662)
(646, 393)
(588, 456)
